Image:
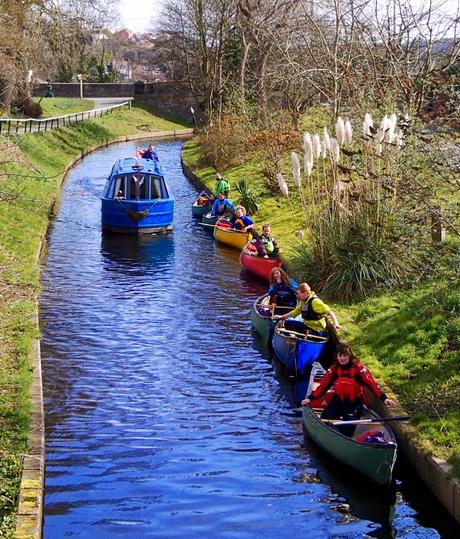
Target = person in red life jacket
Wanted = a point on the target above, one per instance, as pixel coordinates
(240, 221)
(348, 378)
(313, 311)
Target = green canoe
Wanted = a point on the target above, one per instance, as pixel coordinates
(261, 319)
(374, 460)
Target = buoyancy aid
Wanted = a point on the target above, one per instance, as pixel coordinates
(268, 243)
(307, 311)
(282, 294)
(347, 387)
(238, 223)
(348, 382)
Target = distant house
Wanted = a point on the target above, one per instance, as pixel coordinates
(98, 34)
(124, 35)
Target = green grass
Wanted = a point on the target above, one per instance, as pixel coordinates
(410, 340)
(31, 172)
(60, 106)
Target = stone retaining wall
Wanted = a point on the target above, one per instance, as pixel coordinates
(72, 89)
(436, 473)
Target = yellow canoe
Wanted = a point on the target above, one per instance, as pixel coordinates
(234, 238)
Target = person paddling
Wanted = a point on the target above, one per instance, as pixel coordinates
(348, 378)
(240, 221)
(313, 311)
(269, 242)
(221, 206)
(281, 291)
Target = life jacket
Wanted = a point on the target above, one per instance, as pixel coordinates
(221, 207)
(284, 296)
(238, 223)
(268, 244)
(347, 387)
(308, 312)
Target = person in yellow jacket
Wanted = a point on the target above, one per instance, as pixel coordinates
(313, 311)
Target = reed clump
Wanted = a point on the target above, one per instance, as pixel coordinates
(367, 212)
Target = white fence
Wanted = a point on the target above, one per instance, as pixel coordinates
(11, 126)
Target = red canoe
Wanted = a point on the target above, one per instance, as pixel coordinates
(257, 264)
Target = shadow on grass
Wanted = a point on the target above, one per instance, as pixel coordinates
(413, 339)
(144, 104)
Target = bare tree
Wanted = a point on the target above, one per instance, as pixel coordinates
(202, 30)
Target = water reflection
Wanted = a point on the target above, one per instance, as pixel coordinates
(136, 254)
(352, 497)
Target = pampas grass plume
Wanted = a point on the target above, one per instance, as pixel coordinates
(316, 142)
(296, 170)
(384, 125)
(340, 130)
(282, 184)
(335, 151)
(327, 139)
(348, 133)
(367, 124)
(324, 148)
(308, 153)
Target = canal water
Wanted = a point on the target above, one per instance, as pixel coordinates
(165, 416)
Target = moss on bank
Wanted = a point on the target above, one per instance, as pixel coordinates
(31, 172)
(410, 339)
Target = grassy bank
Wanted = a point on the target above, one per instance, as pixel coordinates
(409, 339)
(31, 172)
(60, 106)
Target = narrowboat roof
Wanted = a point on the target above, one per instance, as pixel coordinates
(129, 165)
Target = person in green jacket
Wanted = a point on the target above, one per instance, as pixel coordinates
(222, 186)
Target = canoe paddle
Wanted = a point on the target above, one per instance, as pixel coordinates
(338, 422)
(206, 224)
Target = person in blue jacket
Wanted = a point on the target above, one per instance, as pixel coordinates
(282, 291)
(150, 153)
(240, 221)
(221, 206)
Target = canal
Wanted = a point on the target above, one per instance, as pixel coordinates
(165, 416)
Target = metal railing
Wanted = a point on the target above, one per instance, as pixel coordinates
(12, 126)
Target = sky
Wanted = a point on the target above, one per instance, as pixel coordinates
(136, 15)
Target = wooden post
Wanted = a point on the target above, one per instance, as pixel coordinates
(438, 230)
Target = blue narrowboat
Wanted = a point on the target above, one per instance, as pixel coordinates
(136, 198)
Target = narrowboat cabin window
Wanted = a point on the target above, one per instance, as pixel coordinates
(119, 188)
(157, 188)
(136, 189)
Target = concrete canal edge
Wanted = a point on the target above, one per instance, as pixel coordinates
(29, 518)
(193, 178)
(30, 506)
(436, 473)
